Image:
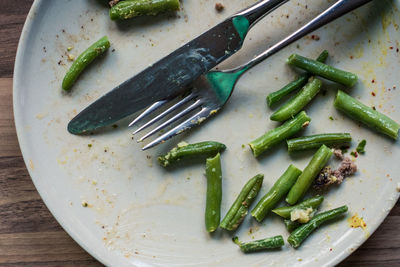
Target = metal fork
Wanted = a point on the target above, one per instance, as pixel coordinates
(212, 90)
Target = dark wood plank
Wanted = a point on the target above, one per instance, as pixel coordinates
(29, 234)
(8, 139)
(12, 18)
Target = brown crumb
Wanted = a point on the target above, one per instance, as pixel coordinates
(219, 7)
(328, 176)
(113, 2)
(338, 154)
(315, 37)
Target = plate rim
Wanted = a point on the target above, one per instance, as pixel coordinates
(22, 44)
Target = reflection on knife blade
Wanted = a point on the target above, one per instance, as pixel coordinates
(166, 78)
(171, 75)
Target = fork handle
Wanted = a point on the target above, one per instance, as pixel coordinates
(259, 10)
(335, 11)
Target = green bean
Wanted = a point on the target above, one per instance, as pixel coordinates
(276, 193)
(291, 225)
(298, 102)
(305, 180)
(184, 150)
(361, 147)
(132, 8)
(320, 69)
(263, 244)
(313, 203)
(83, 60)
(214, 193)
(240, 207)
(276, 96)
(280, 133)
(364, 114)
(316, 141)
(300, 234)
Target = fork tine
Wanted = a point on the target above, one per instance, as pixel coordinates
(149, 110)
(173, 119)
(165, 113)
(196, 119)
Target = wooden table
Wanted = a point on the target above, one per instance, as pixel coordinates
(29, 234)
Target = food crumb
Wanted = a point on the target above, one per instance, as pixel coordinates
(69, 48)
(113, 2)
(315, 37)
(219, 7)
(305, 124)
(356, 222)
(85, 204)
(398, 187)
(328, 176)
(89, 145)
(31, 165)
(71, 57)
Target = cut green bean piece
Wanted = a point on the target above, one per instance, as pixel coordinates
(240, 207)
(83, 60)
(298, 102)
(276, 193)
(364, 114)
(361, 147)
(280, 133)
(184, 150)
(316, 141)
(133, 8)
(317, 163)
(313, 203)
(214, 193)
(275, 97)
(320, 69)
(258, 245)
(300, 234)
(291, 225)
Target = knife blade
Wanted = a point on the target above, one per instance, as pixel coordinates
(171, 75)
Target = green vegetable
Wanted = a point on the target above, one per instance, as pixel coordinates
(313, 203)
(316, 141)
(291, 225)
(361, 147)
(276, 193)
(300, 234)
(305, 180)
(214, 193)
(280, 133)
(83, 61)
(263, 244)
(362, 113)
(240, 207)
(320, 69)
(132, 8)
(183, 151)
(298, 102)
(275, 97)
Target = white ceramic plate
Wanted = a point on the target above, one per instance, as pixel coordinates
(139, 213)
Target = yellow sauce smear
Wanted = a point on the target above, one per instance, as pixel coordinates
(356, 222)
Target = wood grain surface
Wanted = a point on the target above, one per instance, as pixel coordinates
(29, 234)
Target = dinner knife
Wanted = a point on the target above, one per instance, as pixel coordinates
(171, 75)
